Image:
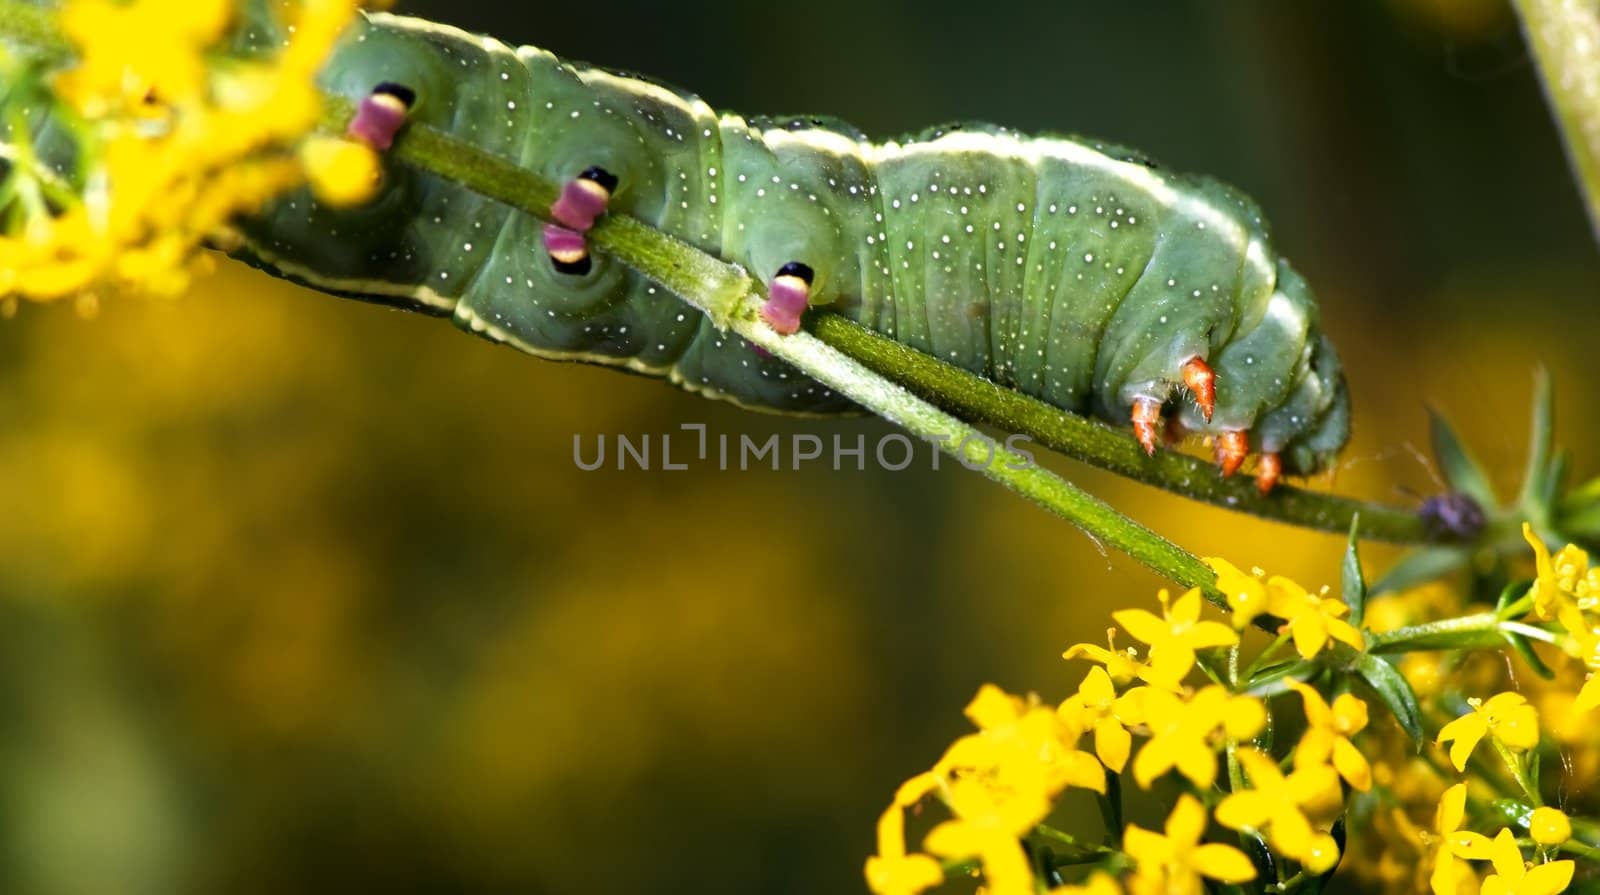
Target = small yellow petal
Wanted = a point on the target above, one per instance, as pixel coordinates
(903, 876)
(1245, 809)
(1187, 823)
(1222, 862)
(1346, 633)
(1505, 855)
(1589, 696)
(1309, 634)
(1452, 808)
(1244, 717)
(1321, 854)
(1352, 765)
(1112, 743)
(1205, 635)
(1467, 844)
(1187, 610)
(1547, 879)
(1144, 626)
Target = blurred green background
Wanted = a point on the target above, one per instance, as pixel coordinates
(298, 593)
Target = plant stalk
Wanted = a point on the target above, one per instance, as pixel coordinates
(1564, 38)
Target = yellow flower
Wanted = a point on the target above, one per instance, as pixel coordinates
(1247, 596)
(891, 871)
(1513, 877)
(131, 52)
(175, 137)
(989, 836)
(1274, 804)
(1506, 716)
(1184, 733)
(1175, 637)
(1313, 619)
(1173, 864)
(998, 783)
(1123, 665)
(1096, 706)
(1020, 744)
(1452, 844)
(1549, 827)
(1563, 579)
(1328, 734)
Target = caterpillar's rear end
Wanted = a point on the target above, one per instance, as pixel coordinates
(1076, 273)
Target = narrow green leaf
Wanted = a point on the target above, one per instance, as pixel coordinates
(1554, 475)
(1538, 466)
(1391, 687)
(1461, 472)
(1525, 650)
(1419, 566)
(1353, 584)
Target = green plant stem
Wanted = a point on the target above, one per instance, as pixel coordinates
(1098, 444)
(1564, 38)
(1480, 630)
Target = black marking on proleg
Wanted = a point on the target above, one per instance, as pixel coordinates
(796, 269)
(401, 92)
(601, 176)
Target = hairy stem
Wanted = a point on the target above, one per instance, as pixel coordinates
(1564, 37)
(1100, 445)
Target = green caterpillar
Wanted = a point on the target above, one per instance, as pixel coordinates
(1079, 273)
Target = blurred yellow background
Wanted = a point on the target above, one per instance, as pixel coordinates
(301, 593)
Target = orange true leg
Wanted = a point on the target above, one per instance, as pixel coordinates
(1147, 422)
(1231, 450)
(1201, 381)
(1267, 475)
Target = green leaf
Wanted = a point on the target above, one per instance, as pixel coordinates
(1423, 565)
(1535, 475)
(1510, 812)
(1353, 585)
(1391, 687)
(1555, 474)
(1461, 472)
(1525, 650)
(1578, 516)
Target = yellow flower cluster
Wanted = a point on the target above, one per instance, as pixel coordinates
(1001, 783)
(998, 783)
(1315, 620)
(174, 138)
(1567, 589)
(1137, 715)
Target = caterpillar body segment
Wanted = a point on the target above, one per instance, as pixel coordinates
(1075, 272)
